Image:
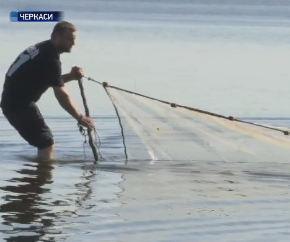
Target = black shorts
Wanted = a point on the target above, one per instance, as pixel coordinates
(30, 124)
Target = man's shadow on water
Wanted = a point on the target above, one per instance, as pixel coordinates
(25, 206)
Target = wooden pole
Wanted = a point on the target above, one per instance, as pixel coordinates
(94, 149)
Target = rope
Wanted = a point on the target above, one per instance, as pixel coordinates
(174, 105)
(120, 123)
(89, 131)
(83, 133)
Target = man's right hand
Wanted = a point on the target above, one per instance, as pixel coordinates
(87, 122)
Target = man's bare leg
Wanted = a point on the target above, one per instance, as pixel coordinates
(46, 154)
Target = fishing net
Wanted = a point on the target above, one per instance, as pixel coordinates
(154, 129)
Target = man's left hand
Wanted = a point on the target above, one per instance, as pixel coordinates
(76, 73)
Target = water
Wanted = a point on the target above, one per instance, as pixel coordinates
(229, 57)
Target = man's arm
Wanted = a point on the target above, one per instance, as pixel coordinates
(67, 77)
(66, 102)
(76, 73)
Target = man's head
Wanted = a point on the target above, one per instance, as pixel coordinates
(63, 36)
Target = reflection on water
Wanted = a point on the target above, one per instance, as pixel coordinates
(32, 211)
(24, 209)
(164, 201)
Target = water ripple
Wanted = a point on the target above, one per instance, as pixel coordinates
(74, 200)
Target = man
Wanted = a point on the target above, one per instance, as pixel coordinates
(34, 71)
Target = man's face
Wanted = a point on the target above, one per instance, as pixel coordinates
(66, 41)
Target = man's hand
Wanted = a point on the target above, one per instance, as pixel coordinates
(76, 73)
(87, 122)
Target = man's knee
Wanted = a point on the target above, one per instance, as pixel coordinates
(44, 141)
(47, 148)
